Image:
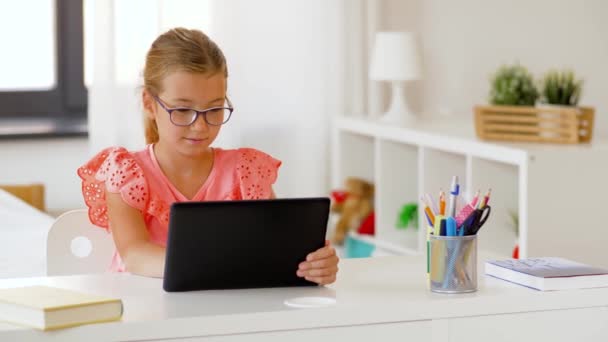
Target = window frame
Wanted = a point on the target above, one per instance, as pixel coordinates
(65, 106)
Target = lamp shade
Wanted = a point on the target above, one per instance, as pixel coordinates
(394, 57)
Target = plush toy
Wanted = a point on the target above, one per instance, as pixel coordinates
(368, 227)
(355, 205)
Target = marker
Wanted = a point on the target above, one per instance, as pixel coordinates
(450, 226)
(437, 226)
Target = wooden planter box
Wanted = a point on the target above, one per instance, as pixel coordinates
(554, 124)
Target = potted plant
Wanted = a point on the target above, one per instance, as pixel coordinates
(513, 85)
(561, 88)
(513, 115)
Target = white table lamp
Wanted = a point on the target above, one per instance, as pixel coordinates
(395, 58)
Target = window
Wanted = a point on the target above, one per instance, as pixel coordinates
(42, 87)
(133, 34)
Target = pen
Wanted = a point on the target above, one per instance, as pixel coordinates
(450, 230)
(454, 190)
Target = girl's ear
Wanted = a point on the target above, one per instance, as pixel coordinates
(149, 104)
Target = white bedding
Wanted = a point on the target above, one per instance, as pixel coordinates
(23, 232)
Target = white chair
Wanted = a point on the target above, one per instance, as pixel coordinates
(76, 246)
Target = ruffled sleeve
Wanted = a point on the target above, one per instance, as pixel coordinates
(115, 170)
(256, 172)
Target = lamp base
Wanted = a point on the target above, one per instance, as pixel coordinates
(399, 112)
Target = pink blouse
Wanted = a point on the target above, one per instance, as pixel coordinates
(236, 174)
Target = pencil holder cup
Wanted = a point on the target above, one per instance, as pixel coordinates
(453, 264)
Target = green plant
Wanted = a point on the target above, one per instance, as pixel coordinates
(408, 216)
(561, 88)
(513, 85)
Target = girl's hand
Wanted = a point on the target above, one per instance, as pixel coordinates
(321, 266)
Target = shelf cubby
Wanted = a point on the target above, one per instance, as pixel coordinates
(553, 190)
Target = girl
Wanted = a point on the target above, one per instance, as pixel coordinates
(185, 105)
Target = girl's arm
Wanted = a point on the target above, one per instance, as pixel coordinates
(132, 240)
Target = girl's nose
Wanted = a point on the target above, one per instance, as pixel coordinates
(200, 124)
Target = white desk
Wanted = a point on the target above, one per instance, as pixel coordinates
(22, 225)
(381, 298)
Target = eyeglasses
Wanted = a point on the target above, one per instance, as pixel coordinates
(182, 116)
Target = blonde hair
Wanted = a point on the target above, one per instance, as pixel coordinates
(179, 49)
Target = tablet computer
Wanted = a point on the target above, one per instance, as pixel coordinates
(242, 244)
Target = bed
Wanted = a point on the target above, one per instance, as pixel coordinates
(23, 231)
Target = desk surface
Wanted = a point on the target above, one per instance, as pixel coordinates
(372, 290)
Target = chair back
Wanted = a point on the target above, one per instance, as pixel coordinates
(76, 246)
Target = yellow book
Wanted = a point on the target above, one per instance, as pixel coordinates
(48, 308)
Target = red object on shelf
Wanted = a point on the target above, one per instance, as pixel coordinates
(367, 226)
(339, 196)
(516, 252)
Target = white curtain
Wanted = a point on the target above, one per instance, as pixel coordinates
(364, 98)
(122, 32)
(115, 117)
(294, 65)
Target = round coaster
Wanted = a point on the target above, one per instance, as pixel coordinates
(309, 302)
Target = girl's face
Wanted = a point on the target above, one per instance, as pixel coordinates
(190, 90)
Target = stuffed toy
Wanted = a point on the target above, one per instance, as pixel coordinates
(355, 204)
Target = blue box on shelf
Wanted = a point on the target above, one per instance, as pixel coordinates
(357, 248)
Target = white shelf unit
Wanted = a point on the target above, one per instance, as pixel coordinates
(557, 191)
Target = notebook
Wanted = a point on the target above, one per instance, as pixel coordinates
(48, 308)
(548, 273)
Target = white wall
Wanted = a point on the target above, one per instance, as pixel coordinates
(465, 41)
(285, 75)
(282, 59)
(52, 162)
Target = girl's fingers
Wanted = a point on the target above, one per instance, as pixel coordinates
(321, 253)
(318, 272)
(322, 280)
